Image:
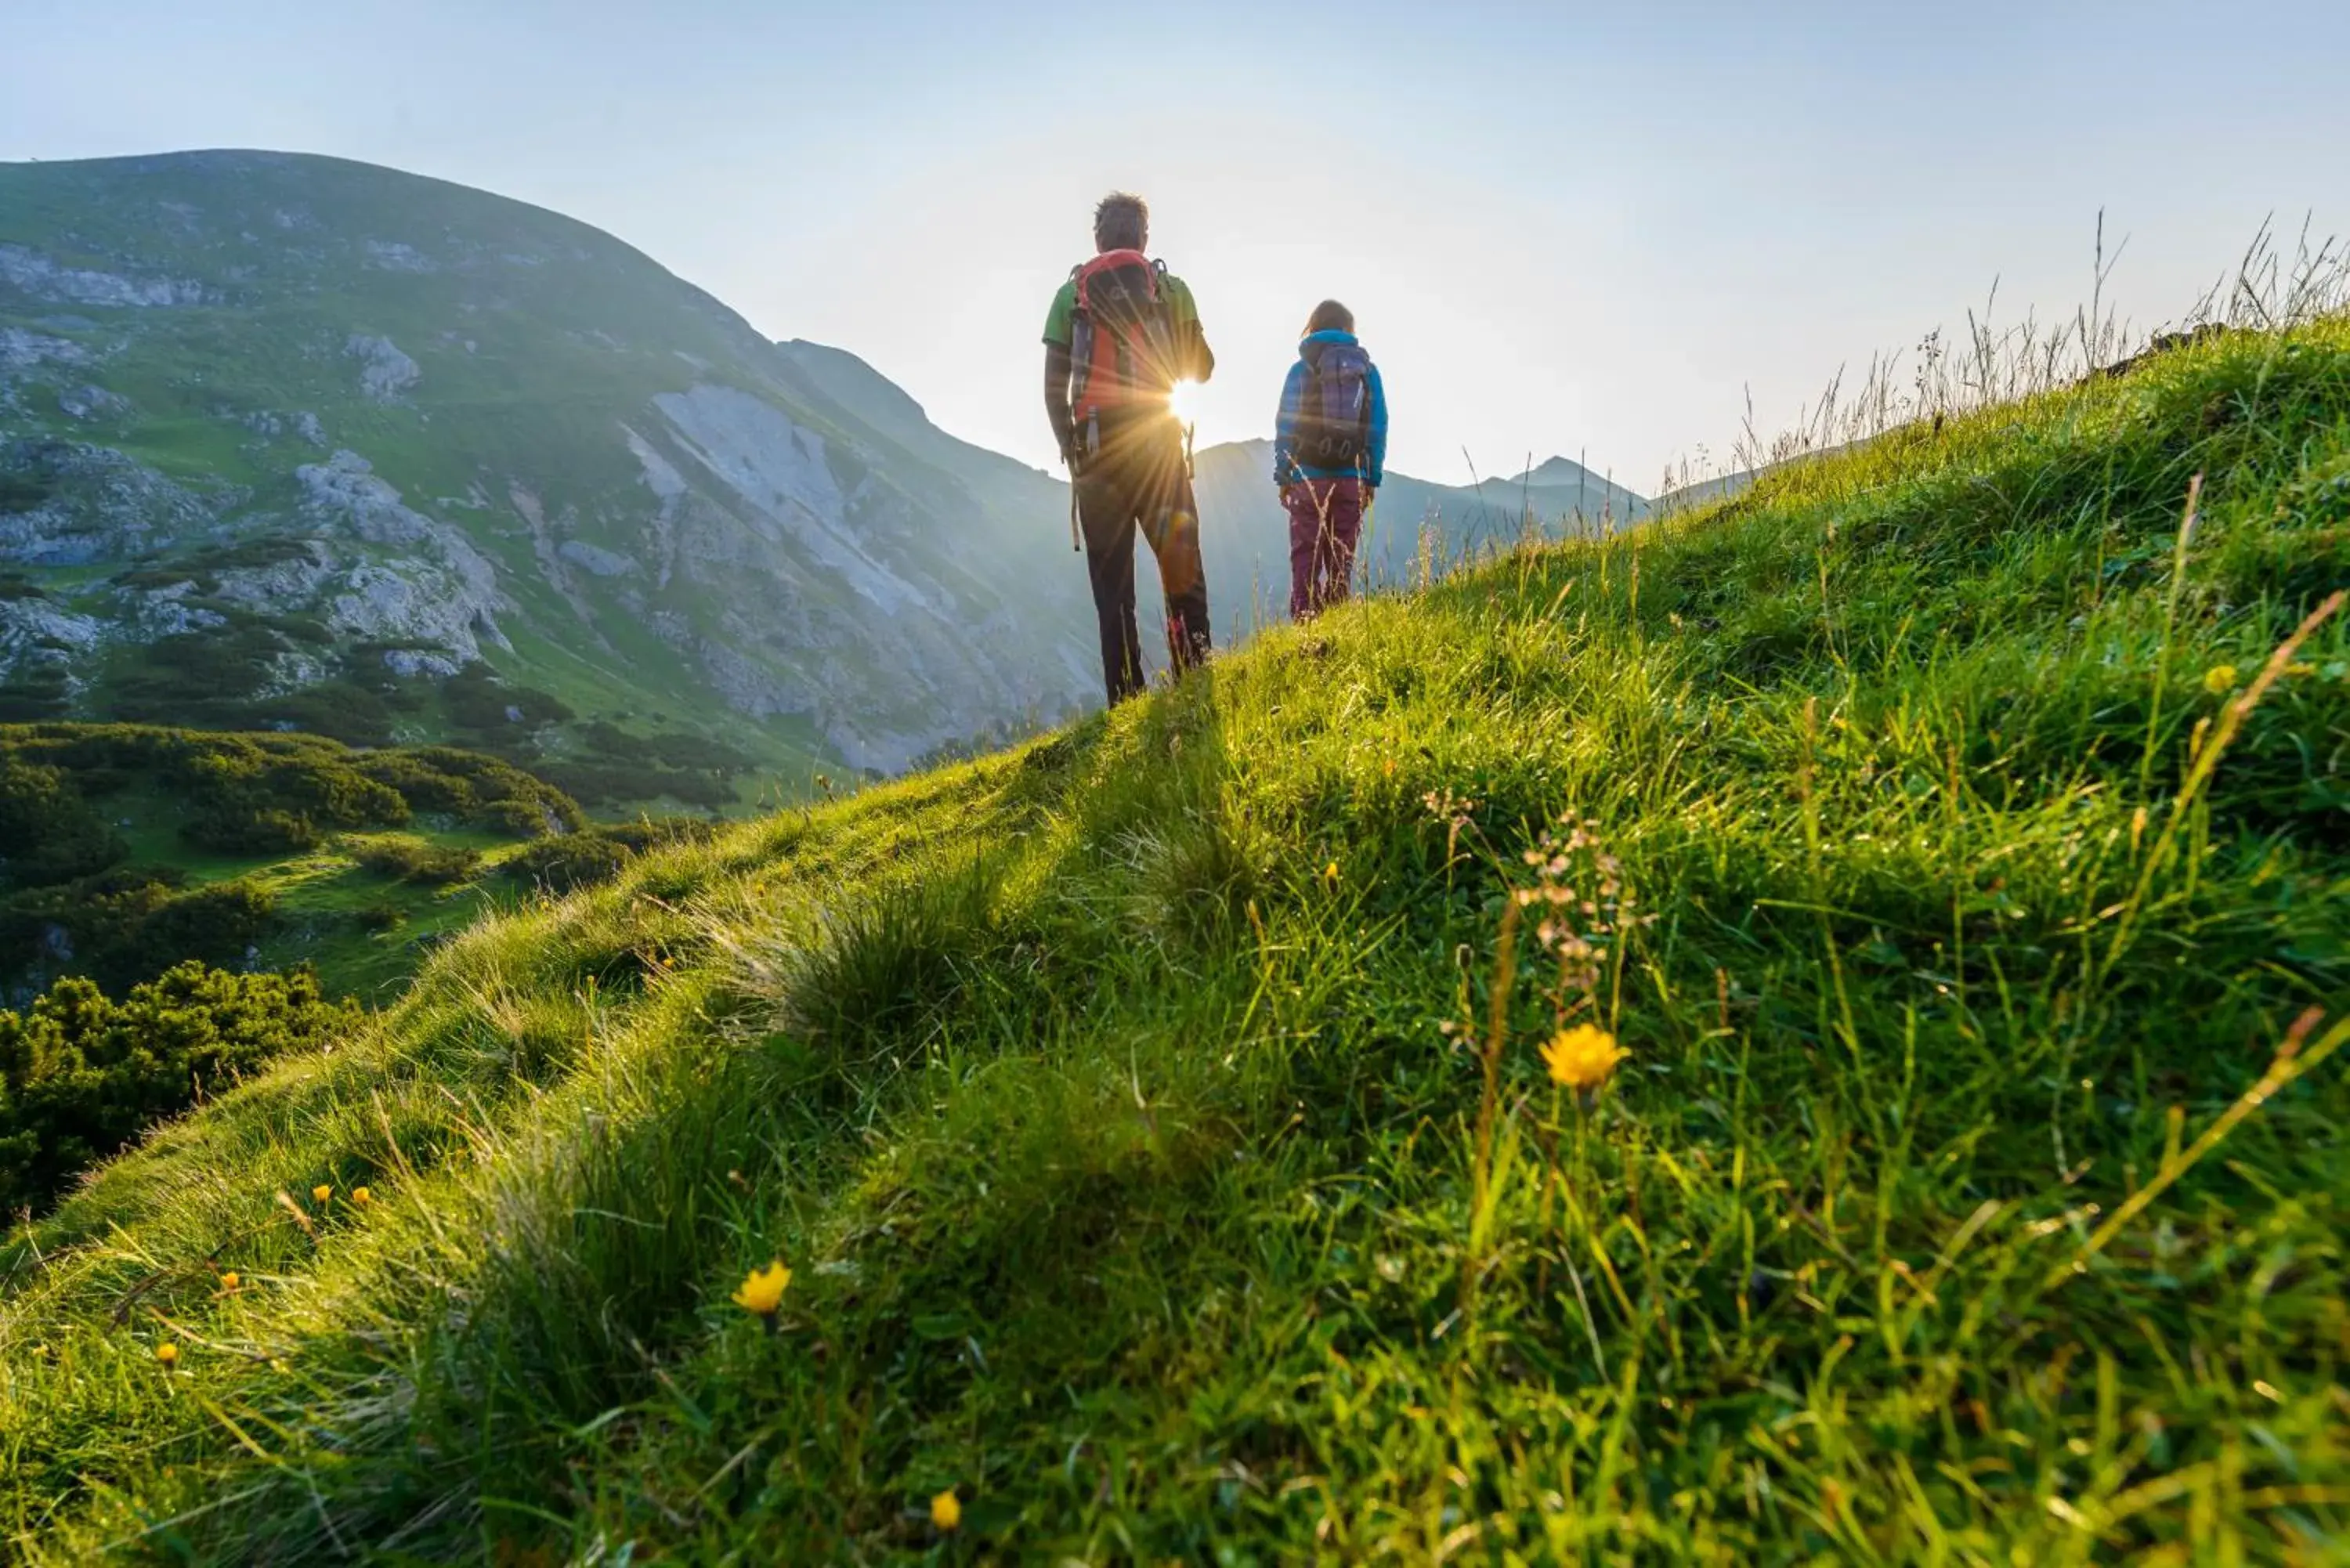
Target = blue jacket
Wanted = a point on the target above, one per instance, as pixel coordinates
(1286, 470)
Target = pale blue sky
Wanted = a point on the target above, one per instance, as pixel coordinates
(1562, 226)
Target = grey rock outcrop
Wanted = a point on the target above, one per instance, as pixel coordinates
(384, 371)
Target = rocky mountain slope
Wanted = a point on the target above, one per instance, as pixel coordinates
(277, 427)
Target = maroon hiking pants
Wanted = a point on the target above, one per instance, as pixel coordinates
(1325, 522)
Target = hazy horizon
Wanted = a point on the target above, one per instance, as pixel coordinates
(1564, 231)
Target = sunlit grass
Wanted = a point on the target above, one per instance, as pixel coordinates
(1877, 1145)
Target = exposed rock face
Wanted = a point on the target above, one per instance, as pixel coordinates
(31, 272)
(22, 350)
(432, 588)
(97, 505)
(91, 404)
(593, 559)
(33, 631)
(384, 371)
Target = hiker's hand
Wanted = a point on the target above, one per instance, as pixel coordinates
(1285, 494)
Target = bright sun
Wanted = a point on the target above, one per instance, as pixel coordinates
(1184, 399)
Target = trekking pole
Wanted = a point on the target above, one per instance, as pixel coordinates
(1076, 546)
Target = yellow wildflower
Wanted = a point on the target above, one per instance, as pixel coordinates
(762, 1289)
(230, 1279)
(1581, 1058)
(2220, 679)
(946, 1510)
(321, 1192)
(361, 1195)
(168, 1353)
(1330, 873)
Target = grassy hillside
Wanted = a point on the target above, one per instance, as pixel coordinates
(1153, 1123)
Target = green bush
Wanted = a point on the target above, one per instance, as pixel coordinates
(340, 710)
(131, 923)
(484, 707)
(81, 1076)
(414, 860)
(575, 861)
(615, 766)
(613, 783)
(487, 791)
(47, 832)
(43, 692)
(571, 863)
(198, 675)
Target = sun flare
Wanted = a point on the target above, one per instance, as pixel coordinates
(1183, 402)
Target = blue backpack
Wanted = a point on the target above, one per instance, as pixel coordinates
(1333, 412)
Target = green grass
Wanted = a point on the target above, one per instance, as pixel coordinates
(1102, 1098)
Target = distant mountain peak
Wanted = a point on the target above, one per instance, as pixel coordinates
(1555, 471)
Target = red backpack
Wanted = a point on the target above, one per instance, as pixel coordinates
(1122, 339)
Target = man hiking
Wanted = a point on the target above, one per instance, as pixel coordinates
(1329, 454)
(1122, 331)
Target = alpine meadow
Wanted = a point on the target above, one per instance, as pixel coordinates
(1808, 1029)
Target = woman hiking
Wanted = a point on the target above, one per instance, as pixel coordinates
(1329, 454)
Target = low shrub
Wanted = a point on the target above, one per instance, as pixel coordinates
(48, 831)
(566, 865)
(82, 1075)
(585, 859)
(414, 860)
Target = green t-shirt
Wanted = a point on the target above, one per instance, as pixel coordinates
(1182, 312)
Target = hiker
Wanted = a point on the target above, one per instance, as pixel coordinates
(1122, 332)
(1329, 454)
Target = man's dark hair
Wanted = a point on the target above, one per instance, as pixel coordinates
(1121, 223)
(1330, 317)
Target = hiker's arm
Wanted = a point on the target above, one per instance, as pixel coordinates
(1284, 428)
(1378, 468)
(1201, 360)
(1056, 399)
(1193, 360)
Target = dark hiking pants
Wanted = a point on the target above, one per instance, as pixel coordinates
(1138, 480)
